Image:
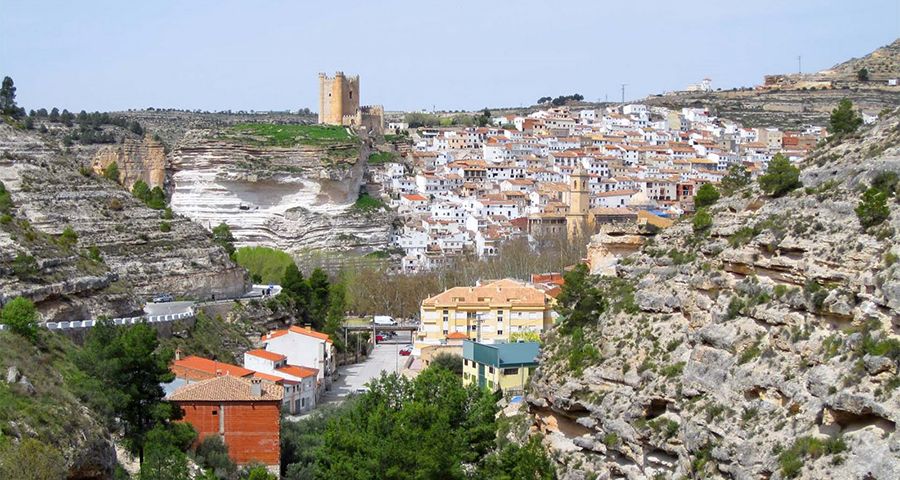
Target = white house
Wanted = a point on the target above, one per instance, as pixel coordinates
(299, 382)
(304, 347)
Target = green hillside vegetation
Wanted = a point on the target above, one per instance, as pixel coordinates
(277, 135)
(380, 158)
(266, 265)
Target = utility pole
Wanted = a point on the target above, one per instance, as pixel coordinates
(623, 91)
(799, 64)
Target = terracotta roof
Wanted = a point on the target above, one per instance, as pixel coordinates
(295, 329)
(226, 388)
(271, 378)
(414, 197)
(210, 367)
(275, 357)
(297, 371)
(457, 336)
(501, 292)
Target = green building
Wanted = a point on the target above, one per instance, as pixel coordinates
(503, 366)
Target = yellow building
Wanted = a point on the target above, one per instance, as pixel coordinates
(501, 366)
(489, 312)
(579, 226)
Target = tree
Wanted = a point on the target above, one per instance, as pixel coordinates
(844, 120)
(141, 190)
(706, 195)
(126, 369)
(515, 462)
(335, 317)
(157, 199)
(6, 202)
(863, 74)
(31, 459)
(163, 459)
(580, 301)
(448, 361)
(212, 454)
(111, 172)
(297, 289)
(319, 290)
(872, 209)
(8, 98)
(702, 221)
(223, 237)
(737, 177)
(781, 177)
(21, 317)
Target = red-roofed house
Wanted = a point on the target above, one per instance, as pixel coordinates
(246, 413)
(304, 347)
(300, 385)
(194, 369)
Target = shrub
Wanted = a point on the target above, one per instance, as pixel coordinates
(5, 199)
(24, 265)
(673, 370)
(21, 317)
(94, 254)
(737, 177)
(844, 120)
(872, 208)
(68, 238)
(367, 203)
(781, 177)
(702, 221)
(111, 172)
(706, 196)
(165, 227)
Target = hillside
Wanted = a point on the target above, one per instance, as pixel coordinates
(794, 100)
(765, 347)
(122, 252)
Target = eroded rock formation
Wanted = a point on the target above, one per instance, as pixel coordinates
(765, 348)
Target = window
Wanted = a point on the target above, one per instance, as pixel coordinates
(215, 412)
(302, 403)
(510, 371)
(490, 369)
(499, 332)
(445, 332)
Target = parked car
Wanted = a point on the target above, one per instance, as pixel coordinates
(379, 338)
(406, 351)
(163, 298)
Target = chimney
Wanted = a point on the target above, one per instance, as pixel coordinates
(177, 354)
(255, 387)
(218, 372)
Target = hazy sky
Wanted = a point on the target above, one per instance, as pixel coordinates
(261, 55)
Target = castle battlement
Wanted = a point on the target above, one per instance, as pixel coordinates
(339, 104)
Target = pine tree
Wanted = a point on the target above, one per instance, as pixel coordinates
(844, 120)
(781, 177)
(8, 97)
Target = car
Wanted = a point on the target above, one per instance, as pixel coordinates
(383, 320)
(361, 391)
(406, 351)
(379, 338)
(163, 298)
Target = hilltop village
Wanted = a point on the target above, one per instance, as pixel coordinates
(564, 171)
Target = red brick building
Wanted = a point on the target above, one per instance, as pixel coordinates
(246, 413)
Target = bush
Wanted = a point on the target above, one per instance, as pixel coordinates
(706, 195)
(702, 221)
(21, 317)
(872, 208)
(5, 199)
(449, 361)
(31, 460)
(165, 227)
(24, 266)
(212, 454)
(94, 254)
(111, 172)
(68, 238)
(781, 177)
(222, 236)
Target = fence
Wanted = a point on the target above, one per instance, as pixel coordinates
(118, 321)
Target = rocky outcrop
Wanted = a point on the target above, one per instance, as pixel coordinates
(124, 251)
(137, 160)
(292, 198)
(767, 347)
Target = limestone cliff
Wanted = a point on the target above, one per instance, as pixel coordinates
(293, 198)
(137, 160)
(766, 347)
(124, 251)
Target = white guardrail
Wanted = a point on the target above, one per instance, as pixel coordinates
(118, 321)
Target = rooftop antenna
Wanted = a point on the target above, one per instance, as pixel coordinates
(623, 91)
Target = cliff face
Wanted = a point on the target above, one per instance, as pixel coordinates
(765, 348)
(132, 256)
(137, 160)
(292, 198)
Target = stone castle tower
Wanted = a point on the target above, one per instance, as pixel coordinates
(578, 223)
(338, 97)
(339, 105)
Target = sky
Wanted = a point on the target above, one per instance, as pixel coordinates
(414, 55)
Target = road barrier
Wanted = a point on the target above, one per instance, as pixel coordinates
(118, 321)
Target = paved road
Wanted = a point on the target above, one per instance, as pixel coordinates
(167, 308)
(384, 358)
